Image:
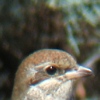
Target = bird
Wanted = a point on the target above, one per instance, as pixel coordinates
(47, 74)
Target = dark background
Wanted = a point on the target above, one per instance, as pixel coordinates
(30, 25)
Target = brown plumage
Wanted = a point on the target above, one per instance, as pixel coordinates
(47, 75)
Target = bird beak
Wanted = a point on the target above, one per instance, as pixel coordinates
(80, 72)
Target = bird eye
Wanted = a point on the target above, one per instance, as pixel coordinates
(51, 70)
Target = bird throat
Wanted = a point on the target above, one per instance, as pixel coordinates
(51, 89)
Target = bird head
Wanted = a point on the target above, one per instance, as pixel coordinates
(47, 75)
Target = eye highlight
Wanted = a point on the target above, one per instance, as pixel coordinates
(51, 70)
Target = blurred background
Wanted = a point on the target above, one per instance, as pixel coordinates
(70, 25)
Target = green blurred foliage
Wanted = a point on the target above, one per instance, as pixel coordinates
(80, 16)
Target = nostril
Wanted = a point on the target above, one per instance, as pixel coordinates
(68, 69)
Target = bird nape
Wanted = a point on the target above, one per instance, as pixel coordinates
(47, 74)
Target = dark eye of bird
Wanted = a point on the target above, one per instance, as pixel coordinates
(51, 70)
